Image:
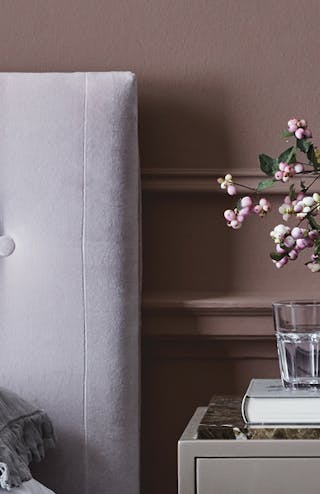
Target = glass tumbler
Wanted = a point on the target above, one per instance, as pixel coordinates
(297, 326)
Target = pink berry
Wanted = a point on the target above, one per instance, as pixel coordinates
(313, 266)
(231, 190)
(310, 242)
(293, 121)
(278, 175)
(282, 166)
(229, 215)
(293, 254)
(314, 234)
(245, 212)
(235, 224)
(289, 241)
(298, 168)
(296, 232)
(298, 207)
(299, 133)
(282, 262)
(246, 202)
(307, 133)
(288, 169)
(279, 249)
(302, 243)
(257, 209)
(292, 125)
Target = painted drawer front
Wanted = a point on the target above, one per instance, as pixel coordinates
(258, 475)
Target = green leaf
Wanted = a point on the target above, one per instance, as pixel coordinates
(310, 153)
(288, 156)
(314, 157)
(265, 184)
(286, 133)
(317, 247)
(313, 222)
(303, 186)
(267, 164)
(304, 145)
(276, 256)
(292, 192)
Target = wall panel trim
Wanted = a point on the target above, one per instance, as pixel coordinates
(208, 348)
(201, 180)
(220, 318)
(200, 304)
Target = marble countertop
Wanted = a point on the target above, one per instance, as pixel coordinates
(223, 420)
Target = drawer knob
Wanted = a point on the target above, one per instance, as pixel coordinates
(7, 245)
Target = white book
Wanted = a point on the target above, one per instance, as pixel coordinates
(268, 402)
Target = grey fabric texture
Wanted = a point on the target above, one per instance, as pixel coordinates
(31, 487)
(25, 435)
(70, 296)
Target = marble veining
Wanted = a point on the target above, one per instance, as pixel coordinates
(223, 420)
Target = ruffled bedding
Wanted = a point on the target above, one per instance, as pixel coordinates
(31, 487)
(26, 433)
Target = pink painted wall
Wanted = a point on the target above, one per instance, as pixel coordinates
(218, 78)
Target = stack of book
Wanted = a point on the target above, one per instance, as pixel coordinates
(271, 411)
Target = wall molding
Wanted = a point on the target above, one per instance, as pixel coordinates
(202, 306)
(186, 347)
(201, 180)
(196, 316)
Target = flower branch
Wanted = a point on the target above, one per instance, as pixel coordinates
(299, 205)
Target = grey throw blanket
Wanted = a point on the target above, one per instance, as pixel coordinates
(25, 434)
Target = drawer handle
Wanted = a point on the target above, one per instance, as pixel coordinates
(7, 246)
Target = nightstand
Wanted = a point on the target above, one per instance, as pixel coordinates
(242, 466)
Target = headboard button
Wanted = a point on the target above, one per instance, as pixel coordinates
(7, 245)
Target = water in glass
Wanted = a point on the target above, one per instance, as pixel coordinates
(297, 325)
(299, 357)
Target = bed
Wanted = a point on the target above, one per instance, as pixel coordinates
(70, 278)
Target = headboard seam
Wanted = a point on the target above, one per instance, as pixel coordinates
(85, 342)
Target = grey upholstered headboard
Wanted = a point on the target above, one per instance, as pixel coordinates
(69, 293)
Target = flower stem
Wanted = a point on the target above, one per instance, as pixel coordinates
(311, 184)
(309, 215)
(246, 187)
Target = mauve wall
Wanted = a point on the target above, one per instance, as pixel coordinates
(217, 81)
(217, 77)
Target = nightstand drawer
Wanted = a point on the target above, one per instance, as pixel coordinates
(257, 475)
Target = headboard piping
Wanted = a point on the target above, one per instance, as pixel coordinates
(85, 341)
